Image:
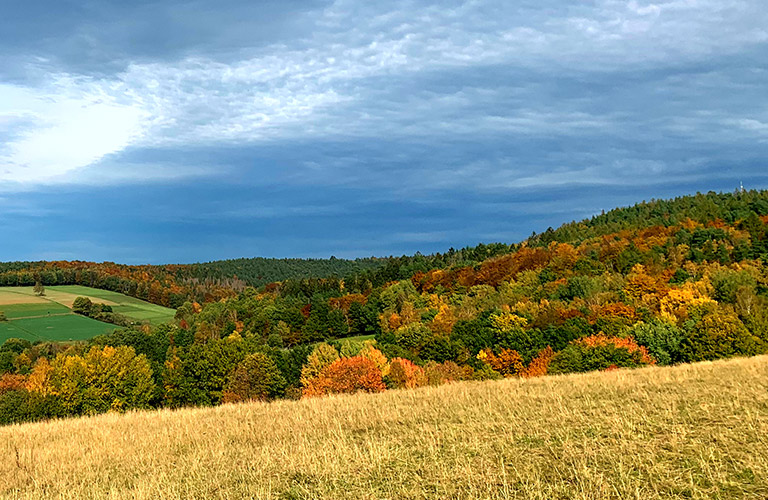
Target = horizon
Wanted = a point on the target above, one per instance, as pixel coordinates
(188, 131)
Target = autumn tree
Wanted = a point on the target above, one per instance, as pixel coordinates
(507, 362)
(346, 375)
(255, 378)
(109, 378)
(719, 334)
(404, 374)
(321, 357)
(600, 352)
(540, 364)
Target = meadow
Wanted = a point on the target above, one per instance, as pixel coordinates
(50, 317)
(689, 431)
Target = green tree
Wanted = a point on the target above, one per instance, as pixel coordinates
(662, 339)
(719, 334)
(82, 305)
(255, 378)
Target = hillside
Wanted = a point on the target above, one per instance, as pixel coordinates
(50, 317)
(690, 431)
(170, 285)
(676, 281)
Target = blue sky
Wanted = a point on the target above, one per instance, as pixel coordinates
(184, 131)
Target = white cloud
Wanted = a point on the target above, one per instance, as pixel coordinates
(339, 81)
(70, 126)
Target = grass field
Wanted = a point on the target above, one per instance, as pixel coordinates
(693, 431)
(59, 328)
(123, 304)
(50, 317)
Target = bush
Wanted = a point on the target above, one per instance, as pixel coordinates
(662, 339)
(24, 406)
(448, 371)
(600, 352)
(346, 375)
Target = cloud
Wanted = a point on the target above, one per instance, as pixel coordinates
(70, 126)
(610, 73)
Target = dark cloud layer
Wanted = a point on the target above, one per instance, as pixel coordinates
(193, 130)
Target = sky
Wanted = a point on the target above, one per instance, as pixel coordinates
(184, 131)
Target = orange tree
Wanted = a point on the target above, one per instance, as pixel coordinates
(346, 375)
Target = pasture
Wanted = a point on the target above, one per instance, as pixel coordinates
(50, 317)
(123, 304)
(689, 431)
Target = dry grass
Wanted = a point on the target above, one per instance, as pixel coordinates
(26, 295)
(695, 431)
(8, 297)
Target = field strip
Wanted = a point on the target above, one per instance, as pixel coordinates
(42, 316)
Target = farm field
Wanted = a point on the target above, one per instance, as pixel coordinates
(688, 431)
(123, 304)
(50, 317)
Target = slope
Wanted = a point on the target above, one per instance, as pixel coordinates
(689, 431)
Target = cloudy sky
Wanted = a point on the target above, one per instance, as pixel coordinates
(184, 131)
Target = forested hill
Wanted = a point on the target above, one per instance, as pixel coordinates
(258, 271)
(171, 285)
(658, 283)
(700, 208)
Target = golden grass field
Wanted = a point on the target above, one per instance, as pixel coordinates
(693, 431)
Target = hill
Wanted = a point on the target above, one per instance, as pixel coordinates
(171, 285)
(677, 281)
(690, 431)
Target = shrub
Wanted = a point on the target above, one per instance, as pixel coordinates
(346, 375)
(599, 352)
(405, 374)
(448, 371)
(661, 338)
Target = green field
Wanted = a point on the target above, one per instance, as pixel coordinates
(14, 311)
(128, 306)
(50, 317)
(61, 328)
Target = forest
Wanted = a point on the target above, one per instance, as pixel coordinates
(662, 282)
